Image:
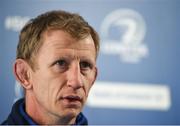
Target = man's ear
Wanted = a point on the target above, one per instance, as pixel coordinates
(21, 71)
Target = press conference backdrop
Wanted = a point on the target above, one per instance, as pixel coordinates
(138, 81)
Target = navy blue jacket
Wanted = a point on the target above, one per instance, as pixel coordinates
(18, 116)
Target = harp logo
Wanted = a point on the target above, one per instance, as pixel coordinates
(122, 32)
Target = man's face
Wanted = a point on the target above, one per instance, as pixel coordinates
(66, 71)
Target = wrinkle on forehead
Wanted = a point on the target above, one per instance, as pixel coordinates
(61, 39)
(58, 43)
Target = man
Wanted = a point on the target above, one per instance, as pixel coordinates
(56, 65)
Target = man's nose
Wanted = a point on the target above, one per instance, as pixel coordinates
(74, 76)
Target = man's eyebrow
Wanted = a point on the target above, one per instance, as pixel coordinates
(88, 59)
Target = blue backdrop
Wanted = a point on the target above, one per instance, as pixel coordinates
(138, 81)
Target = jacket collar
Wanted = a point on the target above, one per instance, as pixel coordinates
(18, 116)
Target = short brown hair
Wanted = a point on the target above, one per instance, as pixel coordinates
(30, 38)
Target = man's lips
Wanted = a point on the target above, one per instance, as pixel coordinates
(72, 98)
(72, 101)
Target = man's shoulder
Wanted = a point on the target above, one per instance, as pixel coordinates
(4, 122)
(14, 117)
(8, 121)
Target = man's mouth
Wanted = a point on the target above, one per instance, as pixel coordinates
(71, 99)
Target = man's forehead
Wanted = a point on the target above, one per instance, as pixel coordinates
(60, 39)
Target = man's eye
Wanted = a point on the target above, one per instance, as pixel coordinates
(85, 65)
(62, 63)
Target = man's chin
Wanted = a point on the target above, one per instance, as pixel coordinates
(70, 109)
(71, 114)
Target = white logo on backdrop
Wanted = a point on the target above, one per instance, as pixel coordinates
(130, 96)
(18, 91)
(15, 23)
(129, 46)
